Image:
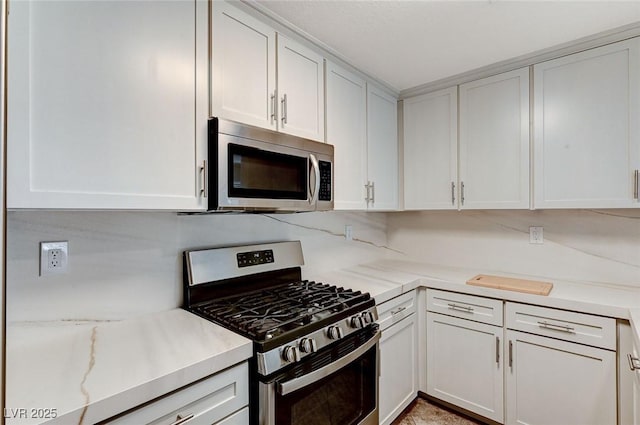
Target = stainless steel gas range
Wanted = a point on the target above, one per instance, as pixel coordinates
(315, 345)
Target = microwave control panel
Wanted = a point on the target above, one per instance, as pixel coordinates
(325, 181)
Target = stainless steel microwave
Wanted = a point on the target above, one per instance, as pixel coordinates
(255, 169)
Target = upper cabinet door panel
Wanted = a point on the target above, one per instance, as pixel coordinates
(347, 132)
(431, 150)
(244, 67)
(104, 118)
(382, 148)
(494, 141)
(587, 141)
(300, 90)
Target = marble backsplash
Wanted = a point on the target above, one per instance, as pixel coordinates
(590, 246)
(124, 264)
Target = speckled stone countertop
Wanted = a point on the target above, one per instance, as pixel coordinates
(90, 371)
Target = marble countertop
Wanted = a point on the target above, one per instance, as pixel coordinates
(90, 371)
(385, 279)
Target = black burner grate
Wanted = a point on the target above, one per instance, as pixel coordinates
(269, 313)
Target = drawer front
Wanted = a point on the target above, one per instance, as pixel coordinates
(479, 309)
(574, 327)
(396, 309)
(204, 402)
(238, 418)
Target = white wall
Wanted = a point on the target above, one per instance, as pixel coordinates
(579, 245)
(124, 264)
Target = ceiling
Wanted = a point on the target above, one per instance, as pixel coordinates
(410, 43)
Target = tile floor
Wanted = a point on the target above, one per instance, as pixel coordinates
(422, 412)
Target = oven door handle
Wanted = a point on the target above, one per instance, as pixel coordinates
(285, 388)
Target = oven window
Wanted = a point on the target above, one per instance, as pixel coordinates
(346, 397)
(256, 173)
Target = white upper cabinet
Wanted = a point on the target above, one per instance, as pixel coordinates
(300, 90)
(494, 142)
(259, 77)
(587, 140)
(243, 67)
(431, 150)
(382, 149)
(107, 104)
(347, 132)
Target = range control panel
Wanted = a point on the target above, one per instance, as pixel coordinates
(254, 258)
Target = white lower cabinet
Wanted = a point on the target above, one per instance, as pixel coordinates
(221, 399)
(398, 381)
(628, 377)
(561, 367)
(549, 381)
(464, 357)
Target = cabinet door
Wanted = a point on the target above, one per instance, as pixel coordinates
(398, 368)
(628, 377)
(243, 67)
(586, 126)
(431, 150)
(106, 119)
(494, 142)
(347, 132)
(556, 382)
(464, 364)
(300, 90)
(382, 149)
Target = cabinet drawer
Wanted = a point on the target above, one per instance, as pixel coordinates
(575, 327)
(238, 418)
(205, 402)
(396, 309)
(485, 310)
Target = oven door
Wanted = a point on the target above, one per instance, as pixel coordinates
(337, 386)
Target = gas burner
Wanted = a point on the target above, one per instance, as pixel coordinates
(276, 311)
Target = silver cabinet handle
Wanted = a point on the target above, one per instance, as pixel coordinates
(453, 306)
(634, 362)
(462, 193)
(373, 192)
(560, 328)
(273, 107)
(510, 354)
(636, 184)
(369, 197)
(181, 420)
(283, 105)
(453, 193)
(203, 179)
(498, 350)
(398, 310)
(316, 168)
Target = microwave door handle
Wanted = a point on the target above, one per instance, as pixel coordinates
(316, 168)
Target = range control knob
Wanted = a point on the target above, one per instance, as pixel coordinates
(357, 322)
(290, 354)
(367, 316)
(334, 332)
(308, 345)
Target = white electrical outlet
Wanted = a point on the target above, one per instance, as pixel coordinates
(348, 232)
(54, 257)
(536, 234)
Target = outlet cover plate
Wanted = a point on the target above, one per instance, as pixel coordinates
(54, 257)
(536, 235)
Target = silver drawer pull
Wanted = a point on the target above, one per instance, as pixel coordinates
(634, 362)
(457, 307)
(181, 420)
(554, 327)
(398, 310)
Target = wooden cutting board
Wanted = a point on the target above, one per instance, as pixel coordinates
(511, 284)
